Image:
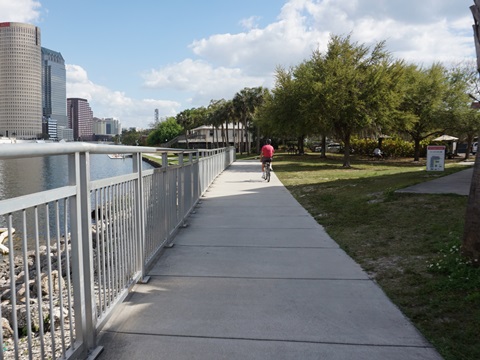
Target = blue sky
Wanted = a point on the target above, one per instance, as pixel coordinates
(129, 59)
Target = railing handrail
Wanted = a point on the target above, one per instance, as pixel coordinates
(132, 216)
(19, 150)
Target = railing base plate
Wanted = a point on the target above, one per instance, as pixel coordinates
(145, 280)
(92, 355)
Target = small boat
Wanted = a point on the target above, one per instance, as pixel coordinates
(116, 156)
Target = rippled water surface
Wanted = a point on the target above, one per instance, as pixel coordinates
(20, 177)
(25, 176)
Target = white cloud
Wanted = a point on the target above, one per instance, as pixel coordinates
(285, 42)
(19, 10)
(226, 63)
(200, 79)
(108, 103)
(222, 64)
(250, 23)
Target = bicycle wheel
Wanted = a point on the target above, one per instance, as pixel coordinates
(267, 173)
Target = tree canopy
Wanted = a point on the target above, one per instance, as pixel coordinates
(164, 132)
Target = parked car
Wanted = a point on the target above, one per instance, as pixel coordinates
(334, 147)
(474, 147)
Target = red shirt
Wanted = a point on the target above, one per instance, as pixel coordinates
(267, 151)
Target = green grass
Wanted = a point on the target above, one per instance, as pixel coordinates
(408, 243)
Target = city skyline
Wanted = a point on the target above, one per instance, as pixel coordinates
(129, 61)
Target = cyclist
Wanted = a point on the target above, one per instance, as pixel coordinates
(266, 155)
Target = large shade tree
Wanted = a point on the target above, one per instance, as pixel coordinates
(422, 111)
(463, 119)
(280, 115)
(309, 75)
(358, 87)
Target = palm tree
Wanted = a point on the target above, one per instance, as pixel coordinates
(245, 102)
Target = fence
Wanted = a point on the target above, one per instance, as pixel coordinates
(71, 254)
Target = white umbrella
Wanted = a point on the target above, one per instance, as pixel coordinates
(446, 138)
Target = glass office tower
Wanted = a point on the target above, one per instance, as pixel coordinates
(20, 81)
(54, 89)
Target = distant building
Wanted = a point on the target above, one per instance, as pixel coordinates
(50, 127)
(80, 119)
(65, 133)
(209, 137)
(20, 80)
(54, 91)
(105, 129)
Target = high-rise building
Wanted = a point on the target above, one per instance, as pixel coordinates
(54, 90)
(20, 80)
(107, 126)
(80, 119)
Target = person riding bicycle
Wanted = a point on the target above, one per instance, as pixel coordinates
(266, 155)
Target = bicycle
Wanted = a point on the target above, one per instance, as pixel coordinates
(268, 168)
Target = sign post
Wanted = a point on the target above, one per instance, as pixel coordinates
(436, 158)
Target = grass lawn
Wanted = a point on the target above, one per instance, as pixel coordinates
(408, 243)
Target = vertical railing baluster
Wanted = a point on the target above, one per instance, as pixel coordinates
(68, 272)
(13, 290)
(39, 284)
(26, 280)
(49, 279)
(60, 275)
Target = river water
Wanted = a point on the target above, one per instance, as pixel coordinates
(26, 176)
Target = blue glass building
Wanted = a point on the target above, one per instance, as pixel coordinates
(54, 91)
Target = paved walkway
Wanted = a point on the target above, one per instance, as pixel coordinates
(254, 276)
(457, 183)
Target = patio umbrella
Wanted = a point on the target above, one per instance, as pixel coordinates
(446, 138)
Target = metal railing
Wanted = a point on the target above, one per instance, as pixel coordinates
(72, 253)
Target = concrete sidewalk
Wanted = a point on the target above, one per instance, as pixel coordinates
(457, 183)
(254, 276)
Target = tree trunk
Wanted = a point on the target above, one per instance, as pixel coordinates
(324, 146)
(223, 136)
(243, 140)
(226, 133)
(471, 234)
(239, 137)
(469, 147)
(346, 153)
(300, 141)
(247, 138)
(416, 150)
(258, 139)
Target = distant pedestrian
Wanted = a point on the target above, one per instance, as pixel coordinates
(377, 153)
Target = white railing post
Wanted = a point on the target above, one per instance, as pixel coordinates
(164, 160)
(82, 257)
(87, 258)
(140, 214)
(181, 188)
(76, 250)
